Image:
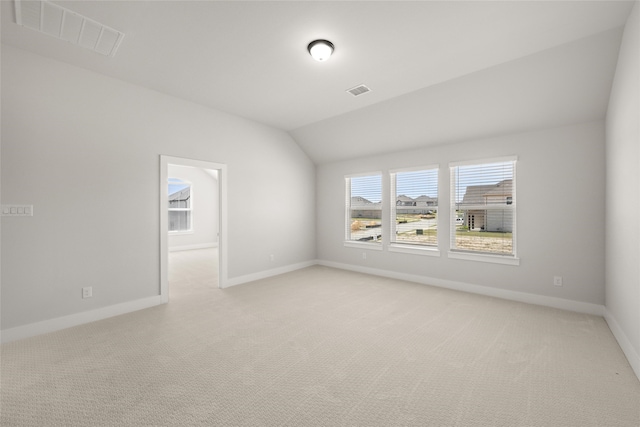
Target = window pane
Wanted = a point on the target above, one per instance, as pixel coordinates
(483, 216)
(176, 184)
(181, 199)
(179, 194)
(416, 207)
(365, 209)
(179, 220)
(179, 205)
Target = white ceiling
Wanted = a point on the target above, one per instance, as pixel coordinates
(439, 71)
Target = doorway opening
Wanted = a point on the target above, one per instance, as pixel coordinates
(192, 217)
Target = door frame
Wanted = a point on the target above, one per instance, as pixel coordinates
(165, 161)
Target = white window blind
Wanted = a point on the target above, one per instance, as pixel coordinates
(414, 207)
(179, 205)
(483, 202)
(364, 208)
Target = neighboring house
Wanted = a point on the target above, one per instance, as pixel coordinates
(180, 199)
(405, 201)
(426, 201)
(476, 200)
(363, 208)
(419, 205)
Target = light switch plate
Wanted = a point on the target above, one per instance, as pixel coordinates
(17, 210)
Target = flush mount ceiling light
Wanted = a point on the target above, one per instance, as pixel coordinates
(320, 50)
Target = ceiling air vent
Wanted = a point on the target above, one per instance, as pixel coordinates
(69, 26)
(358, 90)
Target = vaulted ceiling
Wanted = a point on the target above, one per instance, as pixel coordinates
(440, 71)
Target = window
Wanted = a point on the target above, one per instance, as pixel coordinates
(179, 205)
(364, 209)
(414, 210)
(483, 207)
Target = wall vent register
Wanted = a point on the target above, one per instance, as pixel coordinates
(359, 90)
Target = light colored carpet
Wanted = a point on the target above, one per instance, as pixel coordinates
(321, 347)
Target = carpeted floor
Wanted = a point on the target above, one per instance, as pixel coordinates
(321, 347)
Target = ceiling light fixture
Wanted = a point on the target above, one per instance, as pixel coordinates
(320, 50)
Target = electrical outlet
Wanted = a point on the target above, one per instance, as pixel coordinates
(557, 280)
(87, 292)
(364, 255)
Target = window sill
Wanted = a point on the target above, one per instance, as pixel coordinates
(363, 245)
(414, 249)
(181, 232)
(494, 259)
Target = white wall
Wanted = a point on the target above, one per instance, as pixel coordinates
(204, 209)
(82, 147)
(560, 214)
(623, 195)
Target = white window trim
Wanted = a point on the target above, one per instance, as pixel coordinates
(414, 249)
(363, 245)
(361, 174)
(417, 249)
(190, 230)
(347, 213)
(511, 259)
(480, 257)
(180, 232)
(415, 168)
(483, 161)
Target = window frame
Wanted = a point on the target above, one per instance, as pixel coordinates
(189, 209)
(377, 245)
(403, 247)
(491, 257)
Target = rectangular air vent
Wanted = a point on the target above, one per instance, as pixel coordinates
(67, 25)
(358, 90)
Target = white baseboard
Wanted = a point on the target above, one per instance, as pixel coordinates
(625, 344)
(564, 304)
(52, 325)
(268, 273)
(192, 247)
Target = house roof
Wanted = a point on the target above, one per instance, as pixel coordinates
(477, 194)
(503, 188)
(425, 199)
(497, 67)
(183, 194)
(358, 201)
(420, 199)
(403, 198)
